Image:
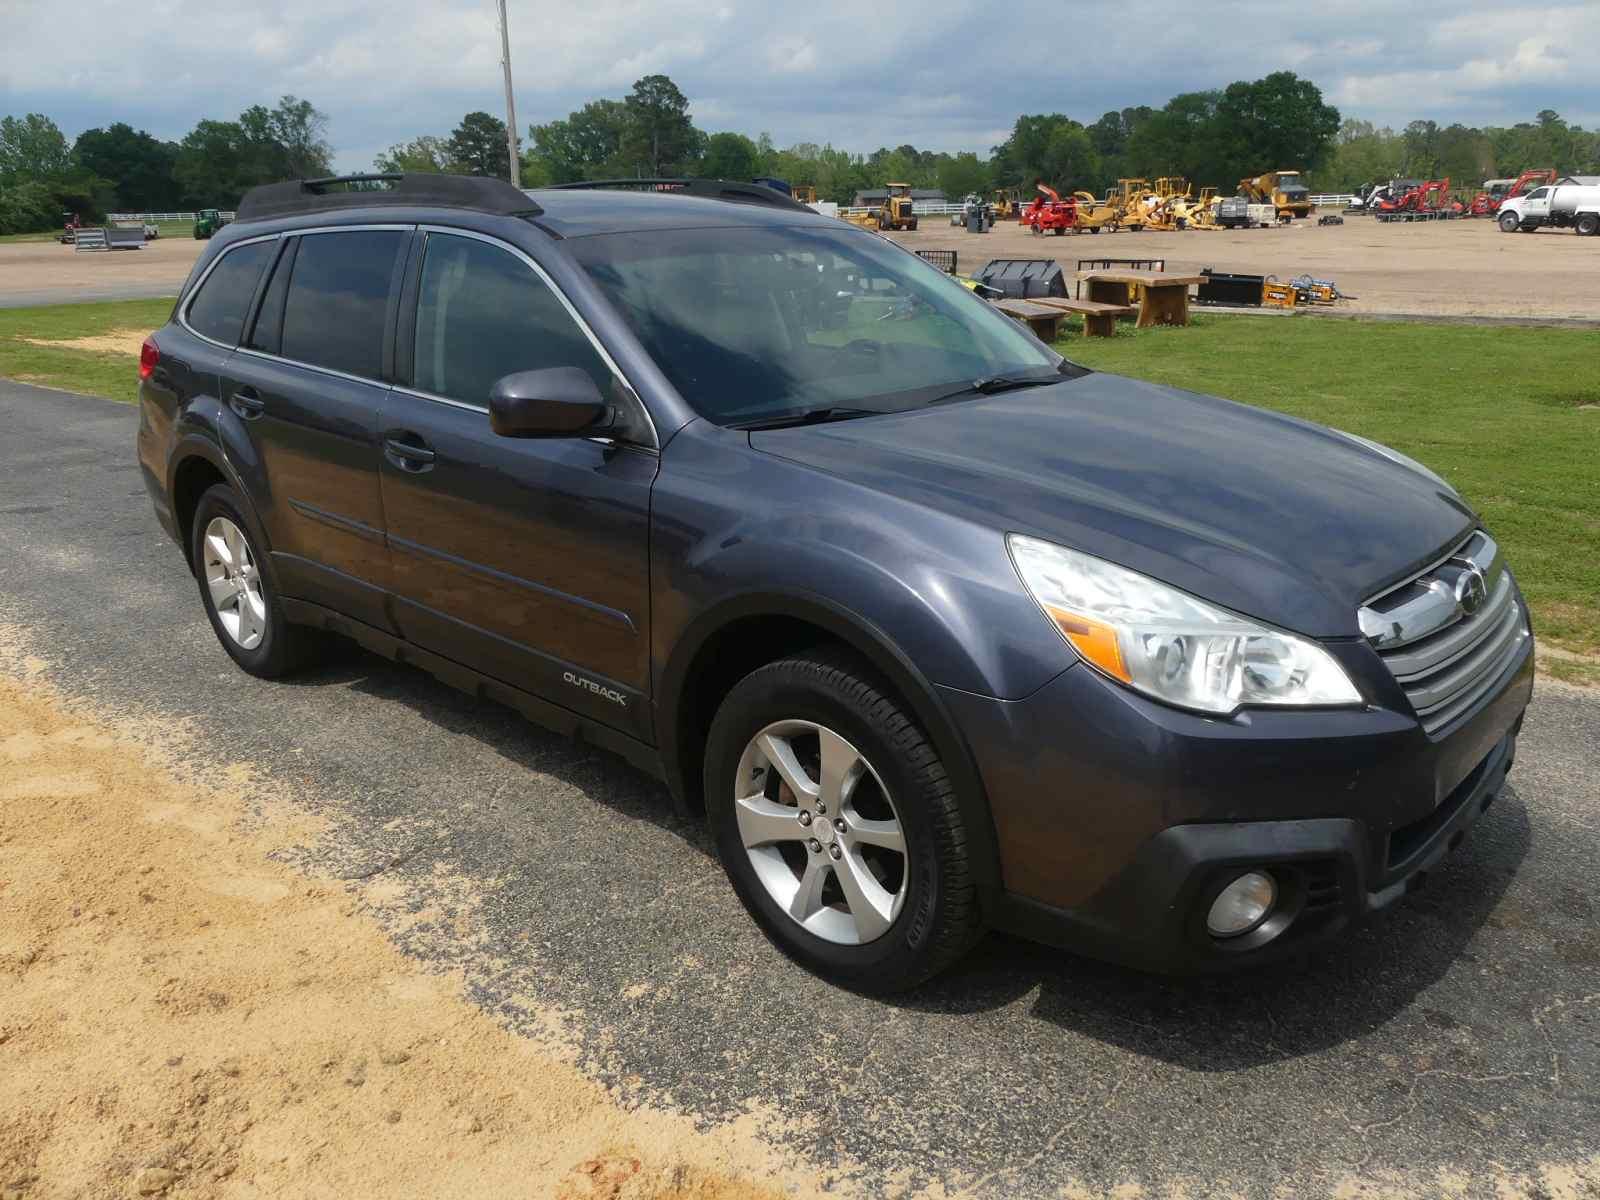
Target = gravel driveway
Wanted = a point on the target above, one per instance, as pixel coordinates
(1451, 1048)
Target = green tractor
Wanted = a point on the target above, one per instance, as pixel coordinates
(206, 222)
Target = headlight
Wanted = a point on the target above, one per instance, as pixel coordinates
(1170, 644)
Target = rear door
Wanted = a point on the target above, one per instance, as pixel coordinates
(526, 560)
(307, 384)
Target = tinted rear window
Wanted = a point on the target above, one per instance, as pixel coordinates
(219, 307)
(338, 297)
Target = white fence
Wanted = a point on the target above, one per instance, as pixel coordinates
(153, 216)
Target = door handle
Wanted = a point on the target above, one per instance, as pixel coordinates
(408, 451)
(247, 403)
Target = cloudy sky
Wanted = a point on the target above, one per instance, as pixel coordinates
(952, 76)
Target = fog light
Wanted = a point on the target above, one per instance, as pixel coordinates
(1242, 905)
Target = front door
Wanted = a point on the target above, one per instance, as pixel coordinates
(526, 560)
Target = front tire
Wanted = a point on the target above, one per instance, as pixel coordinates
(1509, 222)
(237, 592)
(838, 826)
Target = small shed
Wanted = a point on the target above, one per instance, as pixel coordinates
(872, 197)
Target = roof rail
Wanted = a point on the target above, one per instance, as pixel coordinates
(711, 189)
(296, 196)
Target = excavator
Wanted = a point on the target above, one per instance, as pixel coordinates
(1424, 202)
(1284, 190)
(1487, 203)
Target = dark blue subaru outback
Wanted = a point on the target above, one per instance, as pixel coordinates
(939, 630)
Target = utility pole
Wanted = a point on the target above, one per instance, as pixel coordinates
(511, 104)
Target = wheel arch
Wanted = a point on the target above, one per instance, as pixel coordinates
(735, 637)
(198, 465)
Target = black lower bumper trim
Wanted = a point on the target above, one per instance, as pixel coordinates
(1152, 915)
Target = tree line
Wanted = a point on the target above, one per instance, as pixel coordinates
(1213, 137)
(119, 168)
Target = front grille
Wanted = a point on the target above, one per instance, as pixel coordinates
(1446, 658)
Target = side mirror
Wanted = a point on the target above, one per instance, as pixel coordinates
(551, 403)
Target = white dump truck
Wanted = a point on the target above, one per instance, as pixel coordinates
(1558, 204)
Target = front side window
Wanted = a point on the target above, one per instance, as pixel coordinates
(483, 313)
(752, 324)
(338, 299)
(219, 307)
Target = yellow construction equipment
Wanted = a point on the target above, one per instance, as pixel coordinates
(805, 193)
(1137, 201)
(1197, 214)
(1007, 203)
(1278, 295)
(1286, 191)
(896, 212)
(1172, 185)
(1095, 214)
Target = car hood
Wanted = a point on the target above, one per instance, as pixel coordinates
(1278, 518)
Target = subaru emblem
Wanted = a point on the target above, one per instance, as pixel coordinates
(1472, 590)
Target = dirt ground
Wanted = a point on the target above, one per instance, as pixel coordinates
(50, 273)
(181, 1015)
(1461, 268)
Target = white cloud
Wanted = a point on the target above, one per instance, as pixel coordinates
(826, 71)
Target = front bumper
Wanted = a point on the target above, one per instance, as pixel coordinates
(1119, 819)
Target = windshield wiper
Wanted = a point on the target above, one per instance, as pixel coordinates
(988, 385)
(811, 416)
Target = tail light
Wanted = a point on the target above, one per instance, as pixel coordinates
(149, 356)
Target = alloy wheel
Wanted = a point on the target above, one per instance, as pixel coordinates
(233, 581)
(821, 831)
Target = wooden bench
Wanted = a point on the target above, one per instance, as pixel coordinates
(1042, 319)
(1099, 318)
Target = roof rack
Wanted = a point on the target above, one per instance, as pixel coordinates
(711, 189)
(336, 192)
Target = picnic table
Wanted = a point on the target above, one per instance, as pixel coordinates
(1162, 299)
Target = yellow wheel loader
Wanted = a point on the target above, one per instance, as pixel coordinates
(896, 212)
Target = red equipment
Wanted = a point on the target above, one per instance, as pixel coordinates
(1053, 215)
(1525, 183)
(1431, 199)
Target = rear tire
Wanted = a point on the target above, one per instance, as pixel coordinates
(238, 593)
(1588, 224)
(878, 919)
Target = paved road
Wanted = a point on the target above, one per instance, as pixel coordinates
(1455, 1039)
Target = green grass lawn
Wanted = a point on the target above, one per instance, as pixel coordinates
(1510, 416)
(98, 372)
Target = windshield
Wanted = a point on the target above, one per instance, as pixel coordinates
(759, 323)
